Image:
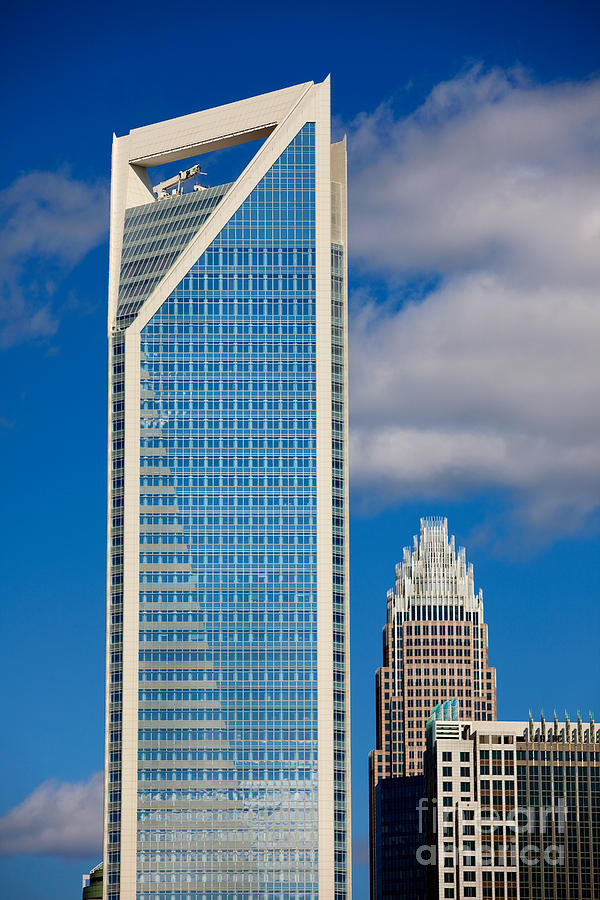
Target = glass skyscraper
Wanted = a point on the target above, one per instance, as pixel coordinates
(227, 731)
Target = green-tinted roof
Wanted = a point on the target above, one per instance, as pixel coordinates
(94, 890)
(448, 711)
(155, 234)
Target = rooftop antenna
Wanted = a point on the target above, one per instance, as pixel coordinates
(174, 185)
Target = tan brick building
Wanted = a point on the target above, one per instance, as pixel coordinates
(435, 647)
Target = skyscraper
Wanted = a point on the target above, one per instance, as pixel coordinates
(435, 647)
(227, 730)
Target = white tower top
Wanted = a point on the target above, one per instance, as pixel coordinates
(434, 573)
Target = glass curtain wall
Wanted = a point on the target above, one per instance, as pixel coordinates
(227, 763)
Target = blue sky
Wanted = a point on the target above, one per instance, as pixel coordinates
(475, 220)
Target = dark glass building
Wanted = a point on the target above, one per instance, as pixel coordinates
(558, 797)
(400, 831)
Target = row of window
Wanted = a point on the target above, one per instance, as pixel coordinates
(235, 775)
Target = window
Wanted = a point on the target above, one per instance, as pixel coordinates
(486, 879)
(205, 349)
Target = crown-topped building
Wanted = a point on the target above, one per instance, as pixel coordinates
(435, 647)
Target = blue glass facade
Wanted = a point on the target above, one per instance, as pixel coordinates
(227, 667)
(228, 560)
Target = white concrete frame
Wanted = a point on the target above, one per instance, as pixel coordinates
(339, 235)
(279, 116)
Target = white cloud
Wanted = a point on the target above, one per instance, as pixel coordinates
(57, 819)
(489, 172)
(48, 222)
(490, 192)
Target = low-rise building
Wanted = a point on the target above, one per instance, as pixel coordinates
(398, 838)
(512, 809)
(93, 883)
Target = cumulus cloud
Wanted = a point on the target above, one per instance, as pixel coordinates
(491, 172)
(48, 222)
(479, 369)
(57, 818)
